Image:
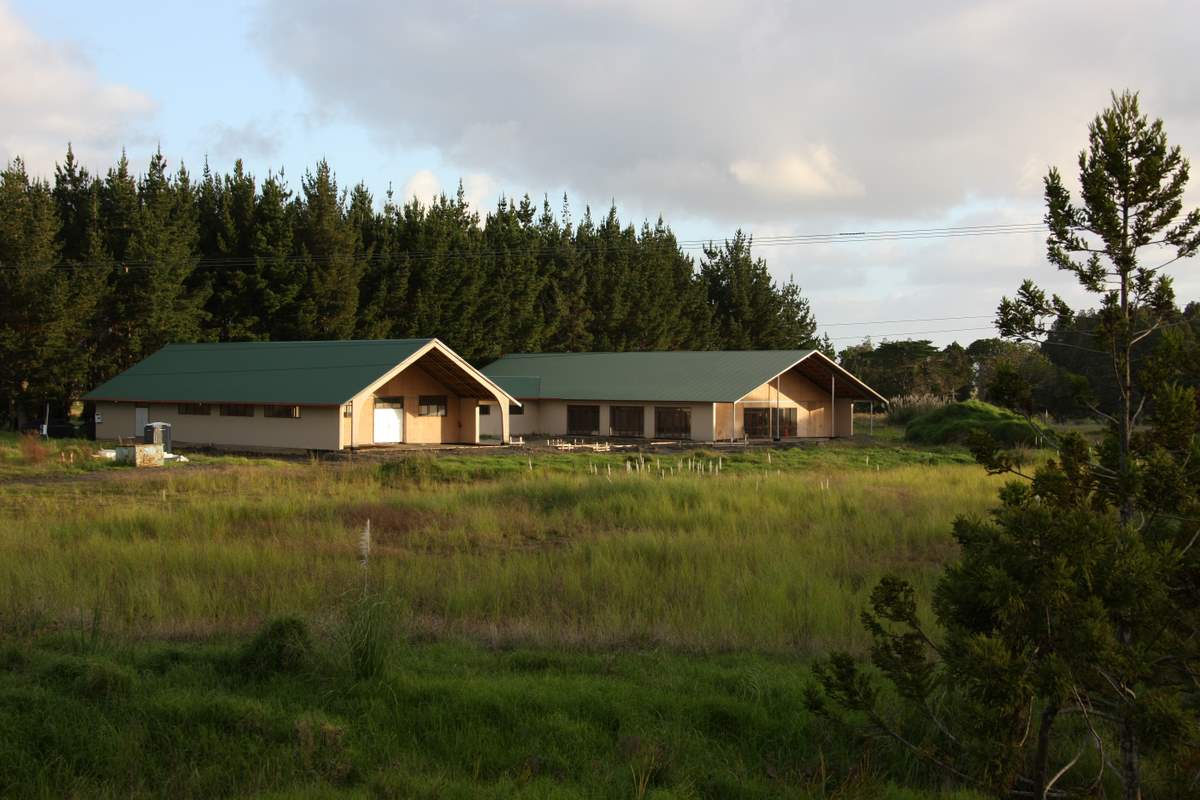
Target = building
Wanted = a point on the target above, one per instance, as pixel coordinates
(701, 395)
(304, 395)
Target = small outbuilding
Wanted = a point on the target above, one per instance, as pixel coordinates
(304, 395)
(704, 396)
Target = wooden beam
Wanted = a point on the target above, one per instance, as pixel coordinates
(832, 405)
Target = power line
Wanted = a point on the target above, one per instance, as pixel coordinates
(894, 321)
(911, 333)
(901, 234)
(889, 235)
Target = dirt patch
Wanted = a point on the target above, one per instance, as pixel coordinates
(393, 525)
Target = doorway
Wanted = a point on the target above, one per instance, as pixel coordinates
(141, 418)
(388, 420)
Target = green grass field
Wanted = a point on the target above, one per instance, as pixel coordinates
(565, 625)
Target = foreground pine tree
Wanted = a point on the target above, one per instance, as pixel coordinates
(1067, 644)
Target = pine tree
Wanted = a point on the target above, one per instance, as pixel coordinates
(564, 302)
(329, 254)
(750, 311)
(34, 311)
(1081, 595)
(88, 267)
(1132, 184)
(272, 241)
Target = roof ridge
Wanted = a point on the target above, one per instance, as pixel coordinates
(653, 352)
(297, 342)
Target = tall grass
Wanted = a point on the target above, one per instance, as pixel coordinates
(147, 720)
(905, 408)
(776, 557)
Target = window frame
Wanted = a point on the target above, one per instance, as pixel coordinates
(633, 432)
(781, 423)
(433, 405)
(685, 411)
(194, 410)
(276, 411)
(573, 411)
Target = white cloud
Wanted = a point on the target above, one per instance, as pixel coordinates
(765, 110)
(51, 95)
(813, 175)
(423, 185)
(481, 191)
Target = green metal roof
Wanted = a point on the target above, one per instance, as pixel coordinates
(289, 373)
(711, 376)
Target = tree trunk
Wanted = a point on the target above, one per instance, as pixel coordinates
(1041, 765)
(1131, 774)
(1131, 780)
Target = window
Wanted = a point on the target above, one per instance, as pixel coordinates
(583, 420)
(672, 422)
(348, 410)
(515, 410)
(757, 422)
(627, 421)
(761, 423)
(389, 402)
(236, 410)
(485, 410)
(195, 409)
(282, 412)
(785, 422)
(432, 405)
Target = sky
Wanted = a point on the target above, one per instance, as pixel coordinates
(774, 116)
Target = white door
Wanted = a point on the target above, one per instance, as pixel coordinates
(141, 418)
(389, 425)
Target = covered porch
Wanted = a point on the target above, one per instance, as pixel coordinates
(432, 398)
(812, 399)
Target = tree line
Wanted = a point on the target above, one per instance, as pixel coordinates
(99, 271)
(1066, 375)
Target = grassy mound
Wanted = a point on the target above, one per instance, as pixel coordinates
(955, 422)
(282, 646)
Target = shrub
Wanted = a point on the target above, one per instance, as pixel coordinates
(956, 422)
(105, 682)
(92, 678)
(415, 468)
(32, 449)
(369, 638)
(12, 659)
(284, 645)
(905, 408)
(322, 747)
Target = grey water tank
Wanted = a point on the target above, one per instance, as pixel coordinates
(158, 433)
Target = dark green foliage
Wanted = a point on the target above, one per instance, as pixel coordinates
(95, 274)
(439, 721)
(750, 311)
(1071, 622)
(283, 645)
(369, 635)
(911, 367)
(92, 678)
(956, 422)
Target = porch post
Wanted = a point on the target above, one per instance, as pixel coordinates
(504, 427)
(778, 417)
(832, 406)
